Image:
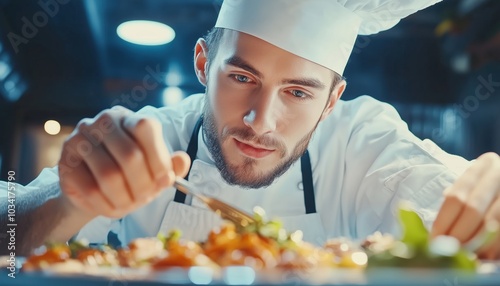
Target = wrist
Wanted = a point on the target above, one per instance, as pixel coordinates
(70, 211)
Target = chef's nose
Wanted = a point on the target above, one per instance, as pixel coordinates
(262, 115)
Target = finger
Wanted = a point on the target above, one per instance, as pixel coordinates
(456, 197)
(480, 200)
(131, 160)
(80, 187)
(73, 180)
(147, 132)
(104, 169)
(490, 250)
(494, 211)
(181, 163)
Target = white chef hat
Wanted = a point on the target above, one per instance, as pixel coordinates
(322, 31)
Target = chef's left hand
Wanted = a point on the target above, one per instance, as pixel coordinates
(470, 202)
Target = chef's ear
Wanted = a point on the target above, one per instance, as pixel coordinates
(334, 97)
(200, 61)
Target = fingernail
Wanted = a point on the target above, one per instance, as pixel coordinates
(166, 179)
(163, 181)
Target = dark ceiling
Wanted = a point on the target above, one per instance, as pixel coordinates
(77, 63)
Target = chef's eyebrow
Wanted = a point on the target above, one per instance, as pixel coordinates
(242, 64)
(309, 82)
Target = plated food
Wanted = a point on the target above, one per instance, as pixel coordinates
(416, 250)
(262, 245)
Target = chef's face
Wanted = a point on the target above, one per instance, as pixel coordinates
(262, 106)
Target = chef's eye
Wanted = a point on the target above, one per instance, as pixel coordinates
(242, 78)
(298, 93)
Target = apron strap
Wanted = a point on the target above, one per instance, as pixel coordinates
(307, 182)
(305, 162)
(192, 150)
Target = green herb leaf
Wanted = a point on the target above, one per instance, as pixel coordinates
(414, 231)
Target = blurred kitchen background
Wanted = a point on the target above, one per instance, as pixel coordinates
(62, 60)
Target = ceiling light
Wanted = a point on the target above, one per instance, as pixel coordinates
(173, 78)
(172, 95)
(13, 87)
(52, 127)
(9, 85)
(147, 33)
(16, 90)
(5, 69)
(174, 74)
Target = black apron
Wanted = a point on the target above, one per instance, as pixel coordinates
(305, 161)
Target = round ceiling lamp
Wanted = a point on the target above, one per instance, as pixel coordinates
(52, 127)
(144, 32)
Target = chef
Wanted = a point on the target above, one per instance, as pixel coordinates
(270, 131)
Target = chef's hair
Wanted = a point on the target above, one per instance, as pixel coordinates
(214, 36)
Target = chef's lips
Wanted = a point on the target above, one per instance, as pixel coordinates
(246, 136)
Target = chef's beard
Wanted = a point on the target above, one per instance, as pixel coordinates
(246, 174)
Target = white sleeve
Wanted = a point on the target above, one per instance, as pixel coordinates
(393, 165)
(47, 184)
(96, 231)
(47, 179)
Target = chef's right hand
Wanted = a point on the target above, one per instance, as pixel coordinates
(117, 162)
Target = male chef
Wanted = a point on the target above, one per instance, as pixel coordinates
(270, 131)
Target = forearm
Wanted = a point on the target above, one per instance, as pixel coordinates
(40, 216)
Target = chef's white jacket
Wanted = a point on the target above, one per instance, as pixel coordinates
(364, 162)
